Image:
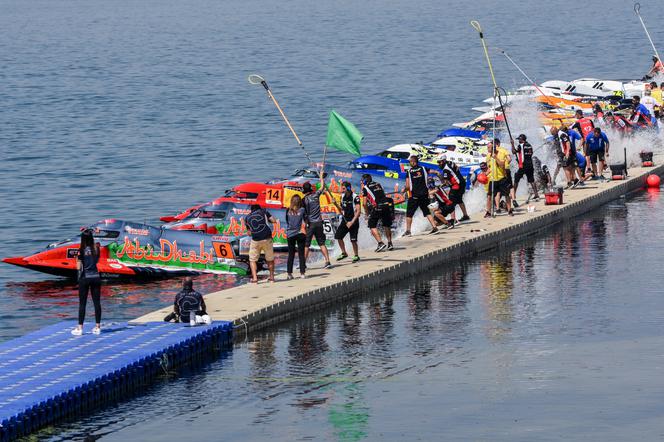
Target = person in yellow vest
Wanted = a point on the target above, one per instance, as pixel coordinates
(499, 184)
(656, 94)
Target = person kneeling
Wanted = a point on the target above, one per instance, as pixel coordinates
(442, 205)
(189, 306)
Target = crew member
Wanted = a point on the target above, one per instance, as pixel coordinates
(567, 154)
(378, 207)
(188, 304)
(584, 126)
(261, 240)
(445, 204)
(314, 220)
(416, 185)
(452, 175)
(649, 101)
(524, 156)
(350, 224)
(656, 68)
(640, 114)
(497, 161)
(598, 149)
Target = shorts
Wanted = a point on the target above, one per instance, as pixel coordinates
(596, 155)
(569, 162)
(456, 195)
(265, 246)
(528, 172)
(344, 230)
(383, 215)
(421, 202)
(502, 186)
(446, 209)
(315, 230)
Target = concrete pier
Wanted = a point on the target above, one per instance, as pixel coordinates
(254, 306)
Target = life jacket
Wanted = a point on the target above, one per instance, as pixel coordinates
(586, 126)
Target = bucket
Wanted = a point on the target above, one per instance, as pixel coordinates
(553, 198)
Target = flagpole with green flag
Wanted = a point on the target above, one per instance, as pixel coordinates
(342, 135)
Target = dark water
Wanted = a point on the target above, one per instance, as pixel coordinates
(139, 109)
(557, 338)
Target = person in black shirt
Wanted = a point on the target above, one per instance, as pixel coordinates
(378, 207)
(89, 279)
(416, 184)
(524, 156)
(188, 302)
(350, 224)
(261, 240)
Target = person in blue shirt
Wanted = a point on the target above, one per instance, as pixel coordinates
(258, 222)
(641, 114)
(574, 136)
(597, 145)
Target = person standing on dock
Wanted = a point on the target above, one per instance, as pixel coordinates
(314, 220)
(584, 126)
(416, 186)
(261, 240)
(497, 161)
(350, 220)
(89, 280)
(378, 207)
(524, 156)
(296, 239)
(598, 149)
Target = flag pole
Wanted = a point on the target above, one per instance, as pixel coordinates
(257, 79)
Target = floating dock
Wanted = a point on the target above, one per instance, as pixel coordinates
(50, 376)
(254, 306)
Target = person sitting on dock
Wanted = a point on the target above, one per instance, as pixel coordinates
(378, 207)
(188, 304)
(314, 220)
(261, 240)
(598, 149)
(416, 187)
(350, 220)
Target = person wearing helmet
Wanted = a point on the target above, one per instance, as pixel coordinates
(378, 207)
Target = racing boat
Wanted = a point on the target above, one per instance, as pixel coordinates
(134, 250)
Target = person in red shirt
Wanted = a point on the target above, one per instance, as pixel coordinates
(584, 126)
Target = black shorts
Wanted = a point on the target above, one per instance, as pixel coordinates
(456, 195)
(446, 209)
(315, 230)
(502, 186)
(570, 162)
(344, 230)
(594, 156)
(383, 215)
(528, 172)
(421, 202)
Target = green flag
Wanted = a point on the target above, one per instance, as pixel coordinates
(342, 135)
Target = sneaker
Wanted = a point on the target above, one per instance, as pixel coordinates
(381, 247)
(356, 258)
(289, 277)
(77, 331)
(96, 330)
(515, 204)
(464, 218)
(390, 247)
(451, 224)
(581, 184)
(433, 231)
(510, 212)
(537, 198)
(487, 215)
(327, 265)
(302, 276)
(342, 256)
(406, 233)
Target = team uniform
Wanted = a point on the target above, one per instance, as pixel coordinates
(313, 218)
(445, 203)
(584, 126)
(524, 156)
(457, 182)
(499, 181)
(596, 147)
(381, 206)
(348, 202)
(567, 150)
(419, 198)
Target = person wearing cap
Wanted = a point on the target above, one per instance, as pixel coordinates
(313, 220)
(450, 173)
(416, 185)
(524, 157)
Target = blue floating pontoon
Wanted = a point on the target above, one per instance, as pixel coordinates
(50, 375)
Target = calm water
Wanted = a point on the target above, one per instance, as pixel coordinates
(139, 109)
